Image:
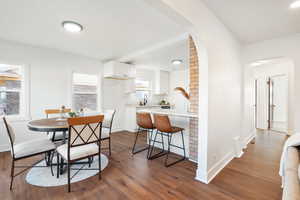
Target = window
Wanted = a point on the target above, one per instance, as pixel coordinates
(142, 90)
(85, 92)
(12, 90)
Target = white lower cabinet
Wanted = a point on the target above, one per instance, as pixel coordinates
(130, 119)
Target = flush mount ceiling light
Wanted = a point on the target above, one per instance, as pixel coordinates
(177, 62)
(72, 27)
(260, 62)
(255, 64)
(295, 4)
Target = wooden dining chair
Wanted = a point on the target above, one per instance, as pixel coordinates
(107, 126)
(84, 142)
(56, 136)
(26, 149)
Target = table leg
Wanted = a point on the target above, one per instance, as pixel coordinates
(64, 137)
(62, 169)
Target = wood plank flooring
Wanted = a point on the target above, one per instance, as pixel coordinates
(254, 176)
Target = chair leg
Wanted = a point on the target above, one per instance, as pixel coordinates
(61, 165)
(161, 153)
(99, 161)
(183, 144)
(69, 177)
(169, 148)
(135, 141)
(12, 173)
(183, 148)
(48, 158)
(162, 140)
(51, 163)
(53, 136)
(149, 143)
(90, 162)
(57, 165)
(109, 144)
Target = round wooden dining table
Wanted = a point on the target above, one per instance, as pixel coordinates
(50, 125)
(55, 125)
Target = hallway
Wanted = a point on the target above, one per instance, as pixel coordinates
(255, 175)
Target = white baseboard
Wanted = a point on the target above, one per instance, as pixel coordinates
(249, 139)
(4, 148)
(238, 144)
(130, 130)
(194, 161)
(201, 176)
(240, 155)
(215, 170)
(117, 130)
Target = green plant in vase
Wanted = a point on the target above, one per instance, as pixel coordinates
(72, 114)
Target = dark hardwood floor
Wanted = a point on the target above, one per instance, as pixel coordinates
(254, 176)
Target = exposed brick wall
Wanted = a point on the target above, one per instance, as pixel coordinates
(194, 98)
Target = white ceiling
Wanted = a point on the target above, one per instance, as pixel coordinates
(161, 55)
(257, 20)
(112, 28)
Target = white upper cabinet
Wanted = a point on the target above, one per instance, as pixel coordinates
(161, 82)
(119, 71)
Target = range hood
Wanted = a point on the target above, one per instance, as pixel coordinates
(119, 71)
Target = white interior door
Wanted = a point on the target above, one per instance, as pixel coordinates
(279, 103)
(262, 97)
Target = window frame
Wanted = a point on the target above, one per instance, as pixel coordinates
(24, 111)
(97, 89)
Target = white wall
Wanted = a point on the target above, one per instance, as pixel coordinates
(219, 86)
(50, 80)
(287, 47)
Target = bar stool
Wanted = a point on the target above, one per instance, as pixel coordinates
(164, 128)
(144, 123)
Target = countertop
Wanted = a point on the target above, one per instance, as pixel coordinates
(146, 106)
(171, 112)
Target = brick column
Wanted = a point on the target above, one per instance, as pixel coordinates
(194, 99)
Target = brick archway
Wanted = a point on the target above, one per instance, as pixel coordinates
(194, 99)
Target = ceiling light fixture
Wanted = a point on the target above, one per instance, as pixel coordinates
(177, 62)
(295, 4)
(72, 27)
(260, 62)
(255, 64)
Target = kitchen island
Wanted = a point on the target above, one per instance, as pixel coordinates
(170, 112)
(178, 118)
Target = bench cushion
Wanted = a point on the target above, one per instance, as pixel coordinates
(78, 152)
(32, 147)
